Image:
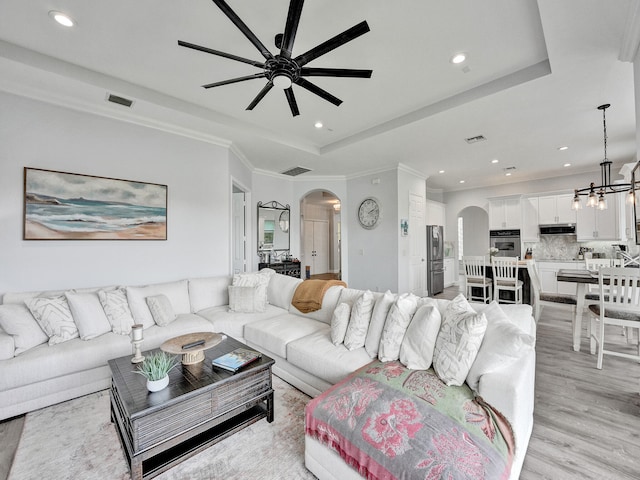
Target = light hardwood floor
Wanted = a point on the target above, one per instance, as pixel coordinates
(586, 421)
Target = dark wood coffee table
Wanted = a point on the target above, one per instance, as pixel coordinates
(201, 406)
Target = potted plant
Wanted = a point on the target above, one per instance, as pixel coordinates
(155, 368)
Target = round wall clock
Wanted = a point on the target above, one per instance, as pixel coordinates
(369, 213)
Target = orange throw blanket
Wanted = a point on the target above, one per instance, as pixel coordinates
(308, 295)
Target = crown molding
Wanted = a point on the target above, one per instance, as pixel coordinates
(631, 34)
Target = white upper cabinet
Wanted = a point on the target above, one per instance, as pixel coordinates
(530, 231)
(505, 213)
(554, 209)
(594, 224)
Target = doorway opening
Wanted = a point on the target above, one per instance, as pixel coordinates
(238, 229)
(320, 235)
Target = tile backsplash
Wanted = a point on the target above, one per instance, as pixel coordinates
(565, 247)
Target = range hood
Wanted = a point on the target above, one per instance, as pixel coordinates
(558, 229)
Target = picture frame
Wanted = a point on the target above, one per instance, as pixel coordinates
(73, 206)
(635, 184)
(404, 227)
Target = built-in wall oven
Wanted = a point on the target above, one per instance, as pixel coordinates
(506, 241)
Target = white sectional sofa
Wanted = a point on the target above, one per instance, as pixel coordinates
(300, 343)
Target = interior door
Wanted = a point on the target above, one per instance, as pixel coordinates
(417, 245)
(238, 232)
(316, 246)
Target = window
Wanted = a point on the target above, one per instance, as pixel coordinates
(460, 238)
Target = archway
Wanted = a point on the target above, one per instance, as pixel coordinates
(320, 235)
(473, 232)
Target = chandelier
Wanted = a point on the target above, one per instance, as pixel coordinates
(596, 193)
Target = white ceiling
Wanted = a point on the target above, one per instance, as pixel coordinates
(536, 72)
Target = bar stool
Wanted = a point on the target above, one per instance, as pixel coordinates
(474, 271)
(505, 278)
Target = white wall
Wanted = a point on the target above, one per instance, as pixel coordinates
(636, 76)
(41, 135)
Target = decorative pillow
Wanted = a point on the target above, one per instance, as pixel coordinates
(416, 351)
(339, 323)
(246, 300)
(177, 293)
(395, 326)
(458, 341)
(378, 317)
(18, 322)
(359, 321)
(260, 280)
(54, 317)
(161, 309)
(503, 343)
(88, 314)
(116, 308)
(349, 295)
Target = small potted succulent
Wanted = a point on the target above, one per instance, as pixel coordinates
(155, 368)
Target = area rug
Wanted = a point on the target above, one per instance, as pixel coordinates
(76, 440)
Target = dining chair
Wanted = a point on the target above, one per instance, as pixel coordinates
(541, 298)
(475, 275)
(505, 278)
(595, 264)
(620, 306)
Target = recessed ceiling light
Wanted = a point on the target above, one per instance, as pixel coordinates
(62, 18)
(495, 160)
(318, 125)
(458, 58)
(563, 148)
(567, 165)
(440, 171)
(508, 174)
(461, 181)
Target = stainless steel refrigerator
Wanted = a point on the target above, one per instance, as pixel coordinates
(435, 259)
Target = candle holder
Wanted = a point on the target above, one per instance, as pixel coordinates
(136, 340)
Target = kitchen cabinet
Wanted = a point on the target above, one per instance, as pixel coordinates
(547, 271)
(553, 209)
(435, 213)
(595, 224)
(530, 232)
(505, 213)
(449, 272)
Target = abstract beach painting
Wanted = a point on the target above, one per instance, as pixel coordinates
(71, 206)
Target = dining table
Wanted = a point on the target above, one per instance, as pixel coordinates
(582, 279)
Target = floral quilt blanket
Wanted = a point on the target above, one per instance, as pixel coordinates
(389, 422)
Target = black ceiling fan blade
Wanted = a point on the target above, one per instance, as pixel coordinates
(291, 27)
(235, 80)
(226, 9)
(291, 98)
(335, 72)
(318, 91)
(260, 95)
(220, 54)
(333, 43)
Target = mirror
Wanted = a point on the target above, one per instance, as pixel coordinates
(273, 229)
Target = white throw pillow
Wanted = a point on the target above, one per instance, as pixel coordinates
(260, 280)
(359, 321)
(246, 300)
(378, 317)
(161, 309)
(54, 317)
(503, 343)
(416, 351)
(116, 308)
(395, 326)
(339, 323)
(458, 341)
(18, 322)
(88, 314)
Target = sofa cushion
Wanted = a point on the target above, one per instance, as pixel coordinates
(378, 318)
(503, 344)
(161, 309)
(275, 333)
(54, 317)
(88, 314)
(329, 302)
(340, 323)
(208, 292)
(281, 289)
(458, 341)
(416, 351)
(233, 323)
(177, 292)
(337, 361)
(359, 321)
(396, 325)
(17, 321)
(116, 308)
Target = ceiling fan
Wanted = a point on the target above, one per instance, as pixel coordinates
(281, 70)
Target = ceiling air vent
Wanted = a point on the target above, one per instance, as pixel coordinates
(295, 171)
(119, 100)
(476, 139)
